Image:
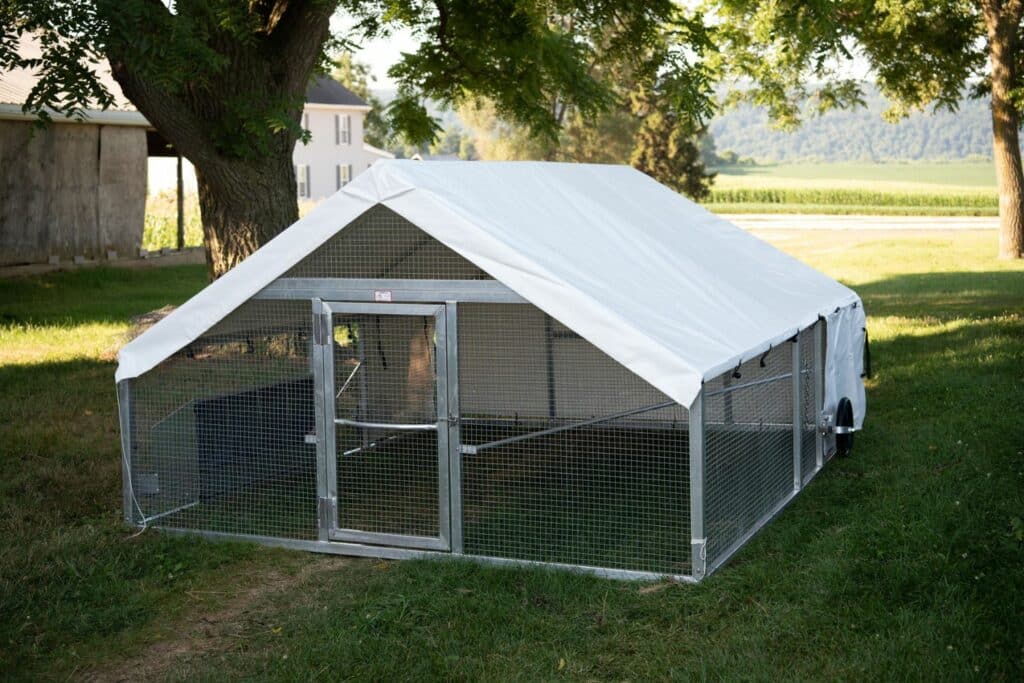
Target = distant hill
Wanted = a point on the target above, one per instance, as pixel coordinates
(859, 135)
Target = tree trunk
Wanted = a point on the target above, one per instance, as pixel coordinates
(244, 204)
(1001, 20)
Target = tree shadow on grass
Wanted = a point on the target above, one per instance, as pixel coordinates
(945, 295)
(102, 294)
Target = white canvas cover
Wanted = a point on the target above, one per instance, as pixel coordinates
(666, 288)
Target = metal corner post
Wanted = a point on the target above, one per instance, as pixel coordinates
(322, 445)
(698, 542)
(124, 408)
(798, 477)
(443, 426)
(454, 430)
(819, 398)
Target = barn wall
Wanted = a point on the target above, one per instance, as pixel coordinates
(70, 190)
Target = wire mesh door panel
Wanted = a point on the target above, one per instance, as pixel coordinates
(385, 389)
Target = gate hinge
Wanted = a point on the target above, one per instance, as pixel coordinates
(326, 507)
(321, 324)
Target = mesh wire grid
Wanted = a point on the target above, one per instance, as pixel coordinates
(611, 494)
(386, 373)
(382, 244)
(748, 447)
(218, 430)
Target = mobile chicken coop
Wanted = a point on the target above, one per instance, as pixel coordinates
(522, 363)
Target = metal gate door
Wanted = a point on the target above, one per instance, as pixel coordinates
(385, 426)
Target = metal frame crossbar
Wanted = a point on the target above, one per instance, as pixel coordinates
(473, 450)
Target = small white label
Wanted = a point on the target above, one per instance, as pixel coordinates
(382, 295)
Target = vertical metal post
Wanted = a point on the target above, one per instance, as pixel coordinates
(454, 428)
(124, 407)
(819, 398)
(698, 542)
(798, 418)
(364, 386)
(181, 208)
(443, 418)
(323, 449)
(549, 349)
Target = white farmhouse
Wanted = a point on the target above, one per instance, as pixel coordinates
(335, 154)
(334, 116)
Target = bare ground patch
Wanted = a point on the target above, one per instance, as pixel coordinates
(216, 623)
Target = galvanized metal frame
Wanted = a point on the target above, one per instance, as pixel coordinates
(454, 429)
(399, 291)
(819, 398)
(798, 418)
(335, 530)
(317, 355)
(397, 553)
(440, 298)
(476, 448)
(698, 540)
(124, 417)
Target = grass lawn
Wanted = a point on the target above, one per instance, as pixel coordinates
(902, 562)
(953, 189)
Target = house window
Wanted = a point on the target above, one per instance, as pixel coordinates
(343, 174)
(302, 181)
(342, 129)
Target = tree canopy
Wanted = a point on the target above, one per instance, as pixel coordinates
(920, 53)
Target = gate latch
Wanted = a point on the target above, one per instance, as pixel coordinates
(453, 420)
(825, 423)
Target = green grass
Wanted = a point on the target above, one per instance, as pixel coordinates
(902, 562)
(979, 174)
(160, 230)
(724, 207)
(161, 227)
(953, 189)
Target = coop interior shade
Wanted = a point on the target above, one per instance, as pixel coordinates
(669, 290)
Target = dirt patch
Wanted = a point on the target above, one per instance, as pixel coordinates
(202, 631)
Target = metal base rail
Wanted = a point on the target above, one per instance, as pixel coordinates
(392, 553)
(474, 449)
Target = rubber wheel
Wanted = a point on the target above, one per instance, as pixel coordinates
(844, 418)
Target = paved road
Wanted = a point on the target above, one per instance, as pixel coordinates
(784, 221)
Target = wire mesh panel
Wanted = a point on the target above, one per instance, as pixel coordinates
(382, 244)
(748, 432)
(386, 410)
(218, 430)
(568, 457)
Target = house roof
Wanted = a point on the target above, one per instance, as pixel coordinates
(669, 290)
(325, 90)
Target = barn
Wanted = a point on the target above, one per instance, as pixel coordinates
(74, 189)
(559, 364)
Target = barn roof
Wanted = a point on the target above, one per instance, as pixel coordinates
(15, 86)
(671, 291)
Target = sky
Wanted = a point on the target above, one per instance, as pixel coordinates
(378, 54)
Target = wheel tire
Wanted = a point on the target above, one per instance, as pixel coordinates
(844, 427)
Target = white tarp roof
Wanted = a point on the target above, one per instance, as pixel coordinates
(668, 289)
